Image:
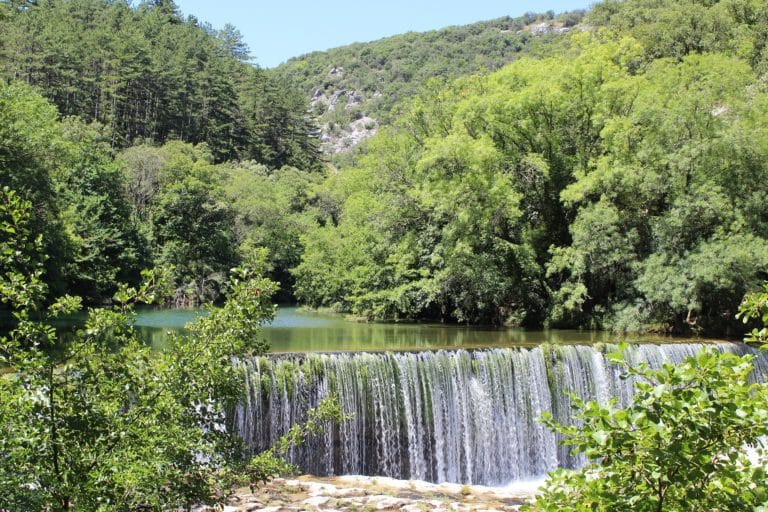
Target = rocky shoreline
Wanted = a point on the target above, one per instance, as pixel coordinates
(369, 494)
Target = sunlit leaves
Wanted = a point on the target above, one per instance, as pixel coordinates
(692, 439)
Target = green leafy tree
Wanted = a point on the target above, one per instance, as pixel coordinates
(147, 73)
(30, 150)
(179, 205)
(272, 210)
(193, 230)
(679, 28)
(95, 420)
(754, 307)
(106, 246)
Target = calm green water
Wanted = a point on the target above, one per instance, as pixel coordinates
(294, 330)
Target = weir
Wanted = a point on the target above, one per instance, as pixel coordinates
(441, 416)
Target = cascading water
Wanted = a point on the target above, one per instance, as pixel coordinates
(455, 416)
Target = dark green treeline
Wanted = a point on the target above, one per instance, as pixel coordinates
(147, 74)
(114, 118)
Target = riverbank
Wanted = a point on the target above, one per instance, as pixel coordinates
(360, 493)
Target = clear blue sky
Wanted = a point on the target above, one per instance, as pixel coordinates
(276, 30)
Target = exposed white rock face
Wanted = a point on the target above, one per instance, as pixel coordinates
(343, 139)
(340, 97)
(547, 28)
(336, 138)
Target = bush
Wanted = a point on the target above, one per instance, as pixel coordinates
(693, 439)
(97, 421)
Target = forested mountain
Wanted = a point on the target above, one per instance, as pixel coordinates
(354, 88)
(113, 118)
(612, 176)
(619, 182)
(677, 29)
(147, 74)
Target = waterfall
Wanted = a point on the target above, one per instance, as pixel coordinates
(443, 416)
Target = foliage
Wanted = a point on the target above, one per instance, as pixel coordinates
(146, 73)
(272, 209)
(693, 439)
(372, 78)
(755, 307)
(203, 218)
(192, 230)
(30, 142)
(95, 420)
(270, 463)
(612, 177)
(105, 216)
(679, 28)
(105, 244)
(592, 188)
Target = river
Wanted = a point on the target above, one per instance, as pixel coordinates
(298, 330)
(442, 403)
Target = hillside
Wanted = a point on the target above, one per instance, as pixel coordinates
(147, 74)
(352, 89)
(617, 182)
(611, 176)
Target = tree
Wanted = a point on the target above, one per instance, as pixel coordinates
(105, 244)
(94, 420)
(146, 73)
(30, 149)
(192, 225)
(693, 438)
(272, 209)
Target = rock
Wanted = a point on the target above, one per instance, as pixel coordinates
(316, 489)
(316, 501)
(548, 28)
(451, 488)
(348, 492)
(251, 507)
(355, 99)
(383, 502)
(392, 483)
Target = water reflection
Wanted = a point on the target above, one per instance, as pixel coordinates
(295, 330)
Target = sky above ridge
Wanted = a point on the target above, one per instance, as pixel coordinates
(280, 29)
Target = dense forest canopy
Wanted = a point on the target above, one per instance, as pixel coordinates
(613, 176)
(147, 74)
(119, 158)
(609, 184)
